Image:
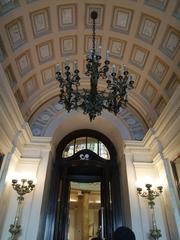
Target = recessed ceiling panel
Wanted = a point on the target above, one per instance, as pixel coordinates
(116, 47)
(48, 74)
(99, 8)
(172, 84)
(24, 63)
(3, 53)
(68, 45)
(158, 70)
(149, 91)
(171, 42)
(121, 19)
(10, 76)
(40, 21)
(67, 16)
(139, 56)
(88, 43)
(148, 27)
(19, 97)
(31, 86)
(159, 4)
(160, 105)
(45, 51)
(16, 33)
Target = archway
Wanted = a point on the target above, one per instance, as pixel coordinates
(84, 165)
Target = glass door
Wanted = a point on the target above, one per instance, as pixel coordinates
(84, 208)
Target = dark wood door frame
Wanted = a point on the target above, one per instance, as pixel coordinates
(105, 171)
(90, 170)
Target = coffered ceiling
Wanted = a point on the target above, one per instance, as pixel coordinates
(143, 34)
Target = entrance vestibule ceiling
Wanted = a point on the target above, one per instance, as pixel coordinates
(35, 35)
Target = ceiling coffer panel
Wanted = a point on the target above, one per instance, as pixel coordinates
(144, 35)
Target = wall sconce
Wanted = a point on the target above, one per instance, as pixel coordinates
(150, 195)
(22, 187)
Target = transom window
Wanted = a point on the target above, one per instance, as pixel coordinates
(83, 143)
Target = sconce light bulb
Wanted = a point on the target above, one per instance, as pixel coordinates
(139, 190)
(30, 182)
(148, 186)
(160, 188)
(14, 181)
(23, 180)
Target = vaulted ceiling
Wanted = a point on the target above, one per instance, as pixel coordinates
(143, 34)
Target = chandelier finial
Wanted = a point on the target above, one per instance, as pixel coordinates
(94, 15)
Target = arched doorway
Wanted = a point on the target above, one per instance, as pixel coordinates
(84, 156)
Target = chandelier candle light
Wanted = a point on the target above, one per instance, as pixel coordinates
(22, 188)
(92, 101)
(150, 195)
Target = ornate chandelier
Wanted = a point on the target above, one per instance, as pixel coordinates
(92, 101)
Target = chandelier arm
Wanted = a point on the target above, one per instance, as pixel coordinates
(103, 71)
